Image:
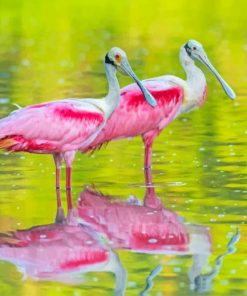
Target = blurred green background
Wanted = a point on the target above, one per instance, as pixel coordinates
(54, 49)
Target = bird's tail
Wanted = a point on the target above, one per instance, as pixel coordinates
(7, 143)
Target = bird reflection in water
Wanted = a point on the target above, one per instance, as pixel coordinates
(151, 228)
(60, 252)
(145, 228)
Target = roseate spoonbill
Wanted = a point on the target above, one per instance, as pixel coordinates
(62, 127)
(132, 117)
(61, 252)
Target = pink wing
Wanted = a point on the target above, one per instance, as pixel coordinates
(135, 117)
(60, 125)
(169, 98)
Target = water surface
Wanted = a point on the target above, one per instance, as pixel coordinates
(55, 50)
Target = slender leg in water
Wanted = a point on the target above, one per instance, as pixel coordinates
(151, 199)
(148, 142)
(68, 188)
(69, 157)
(60, 218)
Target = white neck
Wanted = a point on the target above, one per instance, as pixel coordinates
(195, 81)
(109, 103)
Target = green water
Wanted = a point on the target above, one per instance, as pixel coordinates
(54, 49)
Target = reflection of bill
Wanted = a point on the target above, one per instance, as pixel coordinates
(60, 252)
(203, 282)
(150, 279)
(198, 282)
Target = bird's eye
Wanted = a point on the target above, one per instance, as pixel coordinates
(118, 58)
(194, 48)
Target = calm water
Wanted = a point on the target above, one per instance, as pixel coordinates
(54, 49)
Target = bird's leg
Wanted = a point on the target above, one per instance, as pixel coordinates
(69, 157)
(148, 142)
(151, 199)
(60, 218)
(148, 176)
(68, 188)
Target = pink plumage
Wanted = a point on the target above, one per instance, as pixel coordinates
(133, 117)
(53, 127)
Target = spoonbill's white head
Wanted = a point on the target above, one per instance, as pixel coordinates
(194, 50)
(115, 56)
(118, 58)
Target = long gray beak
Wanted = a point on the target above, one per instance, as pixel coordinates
(202, 57)
(126, 69)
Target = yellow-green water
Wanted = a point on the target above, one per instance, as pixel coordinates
(54, 49)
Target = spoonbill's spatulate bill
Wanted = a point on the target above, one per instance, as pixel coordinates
(62, 127)
(173, 95)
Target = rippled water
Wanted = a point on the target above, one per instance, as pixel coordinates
(51, 50)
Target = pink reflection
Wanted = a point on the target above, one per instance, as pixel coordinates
(60, 252)
(147, 227)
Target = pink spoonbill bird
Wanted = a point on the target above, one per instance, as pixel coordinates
(174, 96)
(62, 127)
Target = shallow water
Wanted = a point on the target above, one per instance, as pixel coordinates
(55, 50)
